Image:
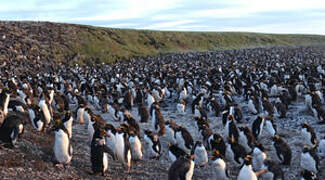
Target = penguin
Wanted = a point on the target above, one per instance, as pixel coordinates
(216, 142)
(184, 139)
(136, 146)
(231, 129)
(259, 156)
(281, 108)
(36, 117)
(308, 175)
(158, 122)
(200, 112)
(4, 100)
(197, 102)
(131, 122)
(80, 113)
(283, 150)
(99, 151)
(321, 147)
(181, 106)
(246, 172)
(128, 100)
(174, 152)
(123, 147)
(200, 154)
(44, 105)
(150, 100)
(171, 128)
(17, 106)
(235, 152)
(110, 138)
(270, 126)
(62, 146)
(308, 134)
(182, 168)
(219, 167)
(153, 144)
(143, 113)
(309, 159)
(11, 129)
(274, 171)
(268, 106)
(67, 122)
(214, 106)
(257, 126)
(90, 126)
(252, 105)
(246, 138)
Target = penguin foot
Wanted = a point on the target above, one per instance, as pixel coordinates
(128, 171)
(60, 166)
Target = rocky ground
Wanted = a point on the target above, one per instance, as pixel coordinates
(33, 157)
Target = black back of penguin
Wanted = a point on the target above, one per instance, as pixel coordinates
(98, 148)
(143, 112)
(257, 126)
(217, 143)
(11, 128)
(238, 150)
(274, 168)
(308, 175)
(179, 169)
(283, 150)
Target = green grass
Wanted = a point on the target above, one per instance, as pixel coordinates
(91, 44)
(108, 44)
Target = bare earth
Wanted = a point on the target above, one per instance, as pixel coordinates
(33, 157)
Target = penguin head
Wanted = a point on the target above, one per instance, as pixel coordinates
(67, 115)
(260, 146)
(248, 160)
(243, 128)
(306, 149)
(305, 125)
(109, 127)
(189, 156)
(276, 137)
(216, 155)
(308, 175)
(57, 124)
(147, 132)
(199, 143)
(6, 91)
(267, 162)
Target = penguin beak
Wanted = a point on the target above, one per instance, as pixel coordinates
(107, 135)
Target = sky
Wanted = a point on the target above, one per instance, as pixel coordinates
(266, 16)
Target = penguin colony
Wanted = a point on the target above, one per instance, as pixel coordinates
(216, 115)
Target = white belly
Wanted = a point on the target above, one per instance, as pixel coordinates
(246, 173)
(61, 147)
(201, 156)
(190, 172)
(307, 162)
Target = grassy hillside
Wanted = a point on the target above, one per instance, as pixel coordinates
(79, 43)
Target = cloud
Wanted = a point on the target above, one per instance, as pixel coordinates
(281, 16)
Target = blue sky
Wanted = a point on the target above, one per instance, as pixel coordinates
(271, 16)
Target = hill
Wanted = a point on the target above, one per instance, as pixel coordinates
(87, 44)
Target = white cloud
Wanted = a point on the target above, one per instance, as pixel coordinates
(206, 15)
(167, 25)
